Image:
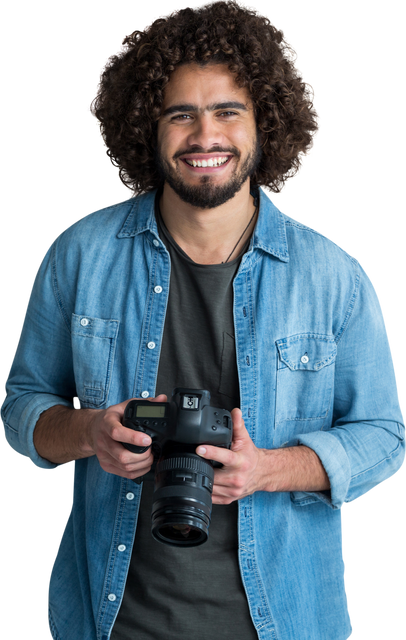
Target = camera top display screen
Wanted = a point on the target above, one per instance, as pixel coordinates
(152, 410)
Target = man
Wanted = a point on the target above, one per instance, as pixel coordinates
(201, 282)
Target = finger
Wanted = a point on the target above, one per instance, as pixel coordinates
(126, 470)
(161, 398)
(131, 463)
(120, 433)
(239, 429)
(123, 456)
(219, 454)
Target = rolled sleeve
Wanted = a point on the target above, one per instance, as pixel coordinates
(365, 444)
(42, 372)
(19, 429)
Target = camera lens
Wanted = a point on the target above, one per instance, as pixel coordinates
(181, 508)
(181, 534)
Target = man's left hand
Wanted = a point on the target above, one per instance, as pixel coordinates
(241, 474)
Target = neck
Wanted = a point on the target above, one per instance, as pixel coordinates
(208, 236)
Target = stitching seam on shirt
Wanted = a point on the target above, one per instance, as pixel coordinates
(55, 288)
(378, 463)
(350, 308)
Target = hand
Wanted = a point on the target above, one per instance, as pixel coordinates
(240, 475)
(105, 435)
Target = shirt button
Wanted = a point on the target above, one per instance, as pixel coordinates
(155, 243)
(304, 359)
(121, 547)
(112, 597)
(130, 496)
(158, 289)
(84, 322)
(144, 394)
(151, 345)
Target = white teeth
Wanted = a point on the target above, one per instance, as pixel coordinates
(211, 162)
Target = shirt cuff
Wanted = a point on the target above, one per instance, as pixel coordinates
(18, 433)
(336, 464)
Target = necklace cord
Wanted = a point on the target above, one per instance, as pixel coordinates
(239, 239)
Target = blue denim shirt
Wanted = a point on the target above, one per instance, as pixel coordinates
(314, 369)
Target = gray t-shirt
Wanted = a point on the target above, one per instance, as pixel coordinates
(194, 592)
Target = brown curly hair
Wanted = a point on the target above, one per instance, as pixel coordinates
(130, 95)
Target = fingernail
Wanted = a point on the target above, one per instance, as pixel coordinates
(146, 440)
(201, 451)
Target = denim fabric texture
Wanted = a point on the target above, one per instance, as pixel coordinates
(314, 369)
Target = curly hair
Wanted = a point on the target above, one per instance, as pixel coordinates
(131, 91)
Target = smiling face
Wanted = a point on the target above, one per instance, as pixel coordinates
(207, 136)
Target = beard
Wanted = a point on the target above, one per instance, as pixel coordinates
(210, 192)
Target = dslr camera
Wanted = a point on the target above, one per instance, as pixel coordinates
(181, 508)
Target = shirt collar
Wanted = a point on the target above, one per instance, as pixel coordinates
(269, 233)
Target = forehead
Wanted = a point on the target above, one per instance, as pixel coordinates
(201, 85)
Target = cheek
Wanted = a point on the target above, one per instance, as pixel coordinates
(244, 137)
(169, 141)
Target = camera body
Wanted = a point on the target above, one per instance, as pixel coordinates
(188, 419)
(181, 510)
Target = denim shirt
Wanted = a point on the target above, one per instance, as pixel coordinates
(314, 369)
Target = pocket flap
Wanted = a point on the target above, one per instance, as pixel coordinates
(93, 348)
(307, 351)
(94, 327)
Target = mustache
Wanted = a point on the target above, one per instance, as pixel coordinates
(198, 149)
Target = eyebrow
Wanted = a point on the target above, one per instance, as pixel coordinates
(183, 108)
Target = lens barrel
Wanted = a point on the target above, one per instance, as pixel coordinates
(181, 508)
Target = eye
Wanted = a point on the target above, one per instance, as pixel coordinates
(228, 113)
(185, 115)
(181, 116)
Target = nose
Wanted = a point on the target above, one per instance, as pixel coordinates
(205, 134)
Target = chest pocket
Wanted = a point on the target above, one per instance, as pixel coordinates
(305, 381)
(93, 348)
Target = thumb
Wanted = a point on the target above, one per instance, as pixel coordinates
(240, 433)
(161, 398)
(238, 422)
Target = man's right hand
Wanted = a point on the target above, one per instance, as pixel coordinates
(106, 433)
